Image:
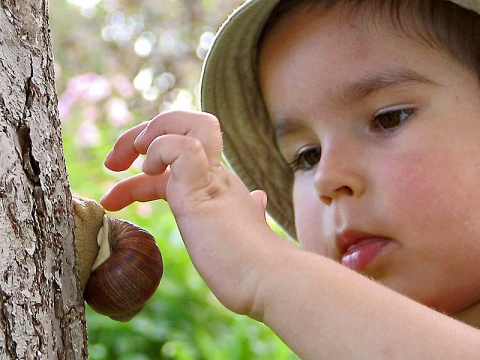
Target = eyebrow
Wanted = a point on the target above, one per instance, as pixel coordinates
(374, 83)
(285, 127)
(355, 92)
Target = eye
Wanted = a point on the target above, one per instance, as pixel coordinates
(390, 119)
(306, 158)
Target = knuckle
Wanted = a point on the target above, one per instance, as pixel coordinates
(193, 145)
(155, 121)
(211, 121)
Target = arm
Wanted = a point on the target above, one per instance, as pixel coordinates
(319, 308)
(325, 311)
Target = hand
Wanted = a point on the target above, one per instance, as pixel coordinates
(222, 225)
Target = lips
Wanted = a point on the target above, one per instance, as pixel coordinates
(359, 249)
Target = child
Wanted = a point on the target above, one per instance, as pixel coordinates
(362, 116)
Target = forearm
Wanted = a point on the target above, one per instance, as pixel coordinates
(325, 311)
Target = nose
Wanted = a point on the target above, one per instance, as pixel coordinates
(338, 174)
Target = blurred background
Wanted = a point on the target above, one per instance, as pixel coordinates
(118, 63)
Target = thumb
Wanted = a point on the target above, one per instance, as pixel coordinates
(260, 199)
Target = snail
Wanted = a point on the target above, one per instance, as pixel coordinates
(120, 264)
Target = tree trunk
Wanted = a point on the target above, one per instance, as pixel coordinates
(41, 307)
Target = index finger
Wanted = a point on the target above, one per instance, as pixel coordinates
(124, 152)
(140, 187)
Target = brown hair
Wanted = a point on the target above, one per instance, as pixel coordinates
(440, 24)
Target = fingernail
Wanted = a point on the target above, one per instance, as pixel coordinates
(265, 200)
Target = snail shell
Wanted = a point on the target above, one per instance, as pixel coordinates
(126, 272)
(120, 264)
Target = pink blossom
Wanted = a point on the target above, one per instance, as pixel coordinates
(87, 135)
(118, 113)
(90, 114)
(123, 86)
(89, 86)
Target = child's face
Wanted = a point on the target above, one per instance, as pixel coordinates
(399, 173)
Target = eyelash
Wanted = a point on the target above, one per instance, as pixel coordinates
(405, 113)
(300, 163)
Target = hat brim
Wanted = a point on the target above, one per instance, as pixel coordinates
(230, 91)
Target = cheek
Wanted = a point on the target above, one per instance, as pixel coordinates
(418, 192)
(311, 222)
(411, 180)
(433, 207)
(428, 192)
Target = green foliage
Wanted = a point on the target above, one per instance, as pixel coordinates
(99, 58)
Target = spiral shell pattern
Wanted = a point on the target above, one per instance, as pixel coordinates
(120, 287)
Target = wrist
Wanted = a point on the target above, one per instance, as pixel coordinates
(272, 272)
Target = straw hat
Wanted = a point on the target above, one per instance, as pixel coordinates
(231, 92)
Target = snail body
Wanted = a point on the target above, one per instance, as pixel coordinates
(120, 265)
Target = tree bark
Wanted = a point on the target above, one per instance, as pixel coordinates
(41, 307)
